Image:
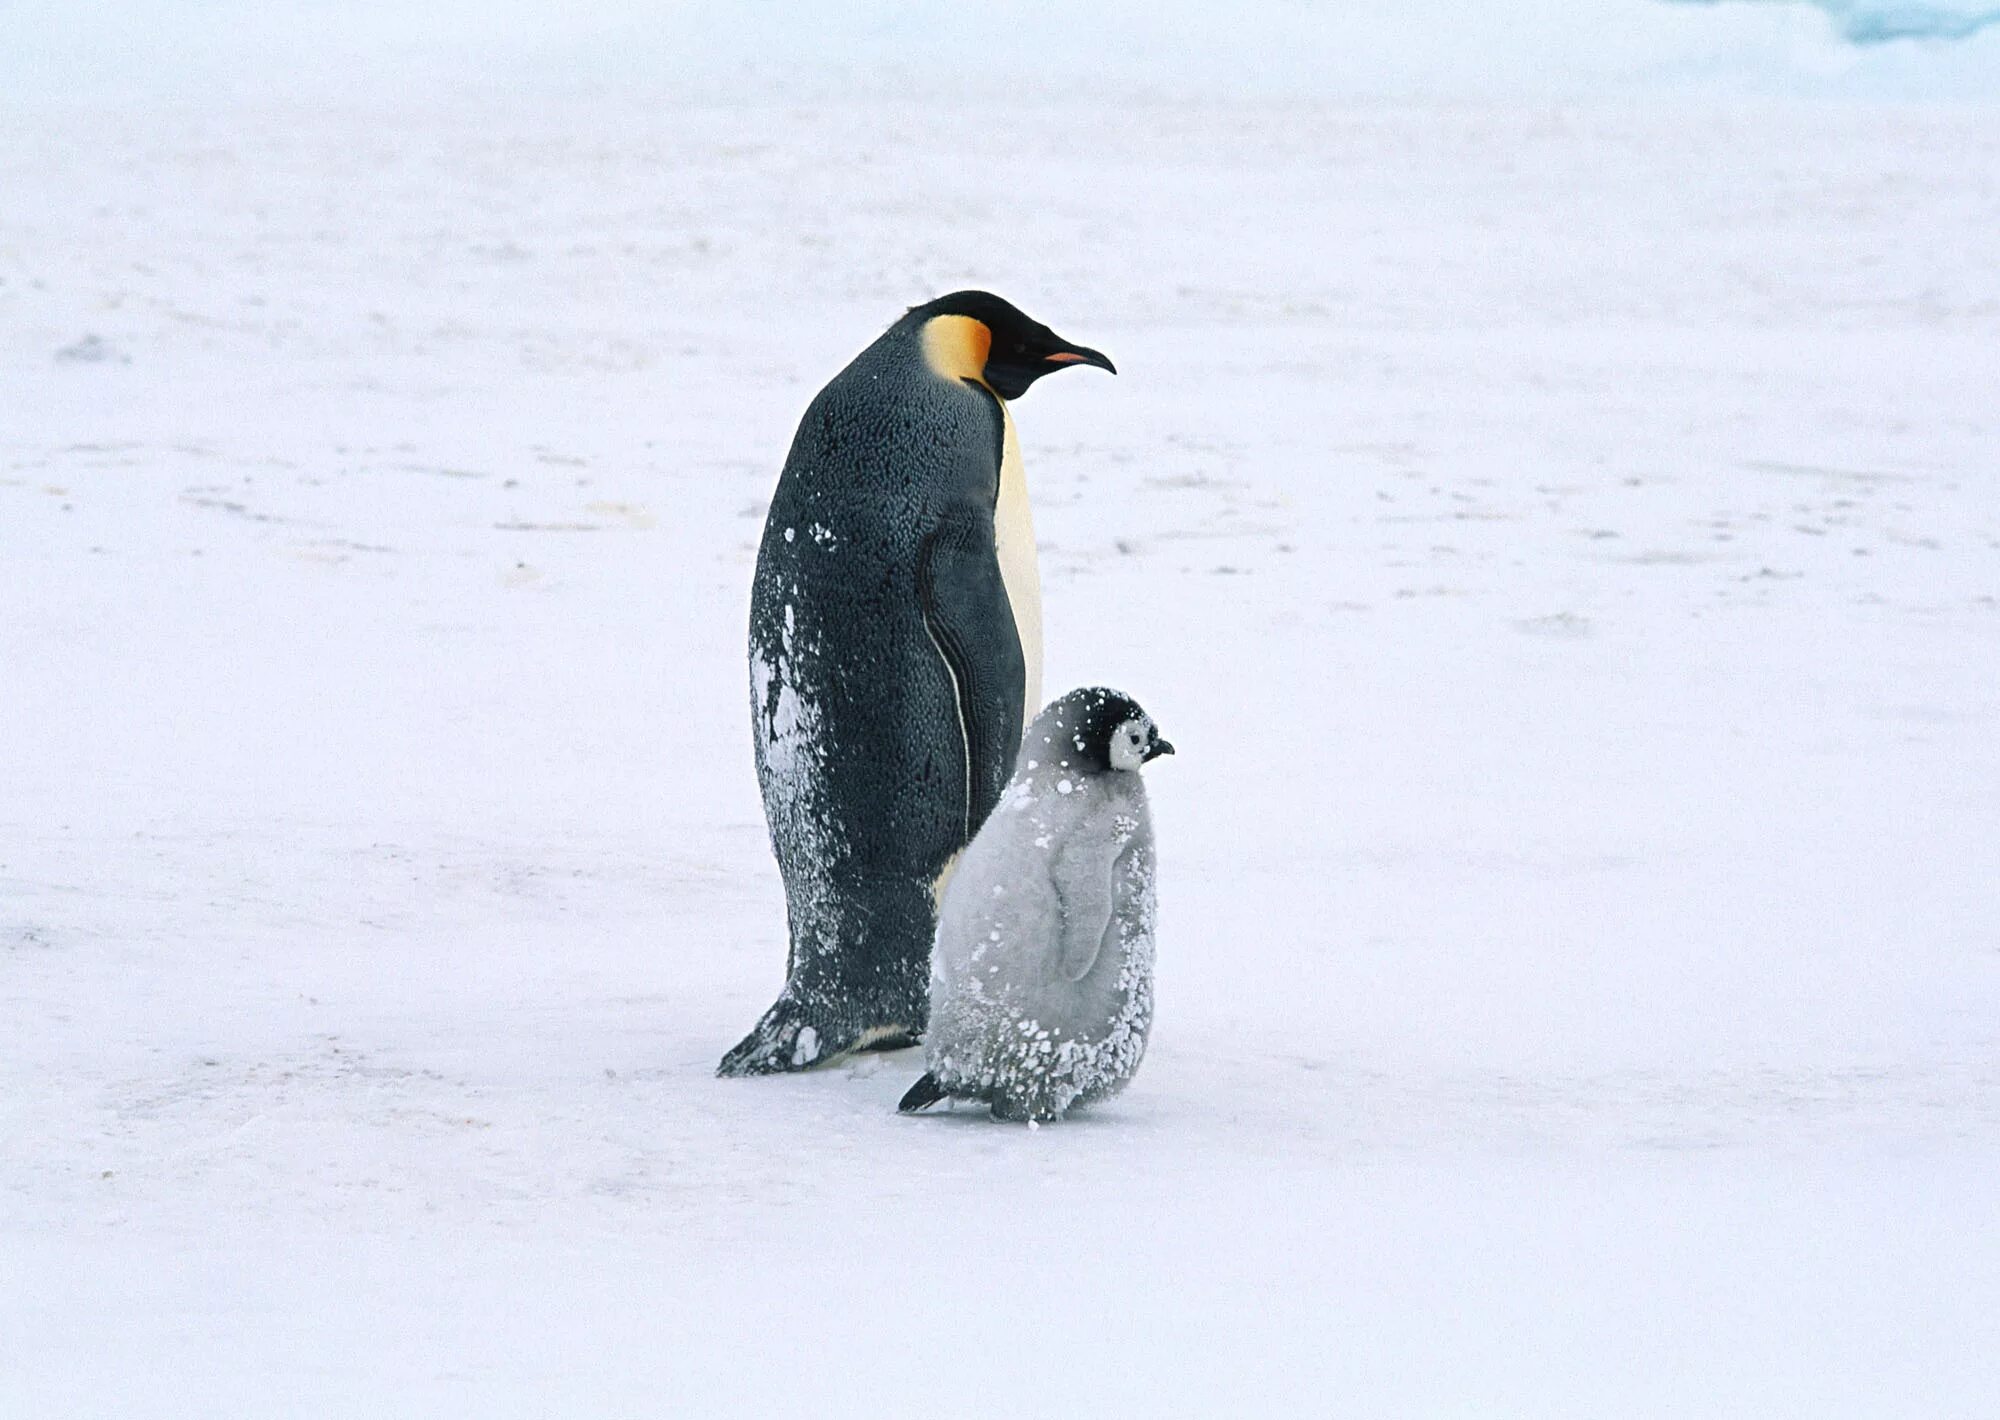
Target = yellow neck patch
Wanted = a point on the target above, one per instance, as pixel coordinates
(956, 347)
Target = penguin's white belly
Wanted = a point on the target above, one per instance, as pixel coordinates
(1014, 539)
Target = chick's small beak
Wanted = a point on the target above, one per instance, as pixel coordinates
(1158, 748)
(1080, 355)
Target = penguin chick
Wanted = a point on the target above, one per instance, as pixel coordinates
(1042, 971)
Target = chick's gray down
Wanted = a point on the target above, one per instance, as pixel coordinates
(1042, 973)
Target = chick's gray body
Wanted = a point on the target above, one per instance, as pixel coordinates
(1042, 972)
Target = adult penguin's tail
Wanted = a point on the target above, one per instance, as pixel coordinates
(922, 1095)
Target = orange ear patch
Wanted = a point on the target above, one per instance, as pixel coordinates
(956, 347)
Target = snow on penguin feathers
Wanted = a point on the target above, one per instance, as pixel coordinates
(1042, 970)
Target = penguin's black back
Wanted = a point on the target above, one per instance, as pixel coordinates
(882, 453)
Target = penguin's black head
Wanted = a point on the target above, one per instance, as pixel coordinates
(976, 335)
(1097, 730)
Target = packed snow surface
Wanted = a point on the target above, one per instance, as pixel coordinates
(1562, 541)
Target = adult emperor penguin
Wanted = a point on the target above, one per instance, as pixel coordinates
(1042, 979)
(895, 639)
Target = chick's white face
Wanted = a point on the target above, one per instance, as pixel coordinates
(1130, 742)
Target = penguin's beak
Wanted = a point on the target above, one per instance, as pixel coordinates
(1156, 749)
(1080, 355)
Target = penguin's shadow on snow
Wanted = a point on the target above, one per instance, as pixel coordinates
(901, 1068)
(971, 1114)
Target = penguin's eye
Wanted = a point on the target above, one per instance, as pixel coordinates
(1127, 745)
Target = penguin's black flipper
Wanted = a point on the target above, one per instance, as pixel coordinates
(922, 1095)
(966, 609)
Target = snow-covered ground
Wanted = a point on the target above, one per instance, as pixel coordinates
(1562, 540)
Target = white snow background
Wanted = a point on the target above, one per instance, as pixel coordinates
(1549, 497)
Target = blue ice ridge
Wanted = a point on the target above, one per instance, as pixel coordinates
(1875, 22)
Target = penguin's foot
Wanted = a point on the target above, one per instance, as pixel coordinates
(1013, 1109)
(787, 1039)
(796, 1036)
(922, 1095)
